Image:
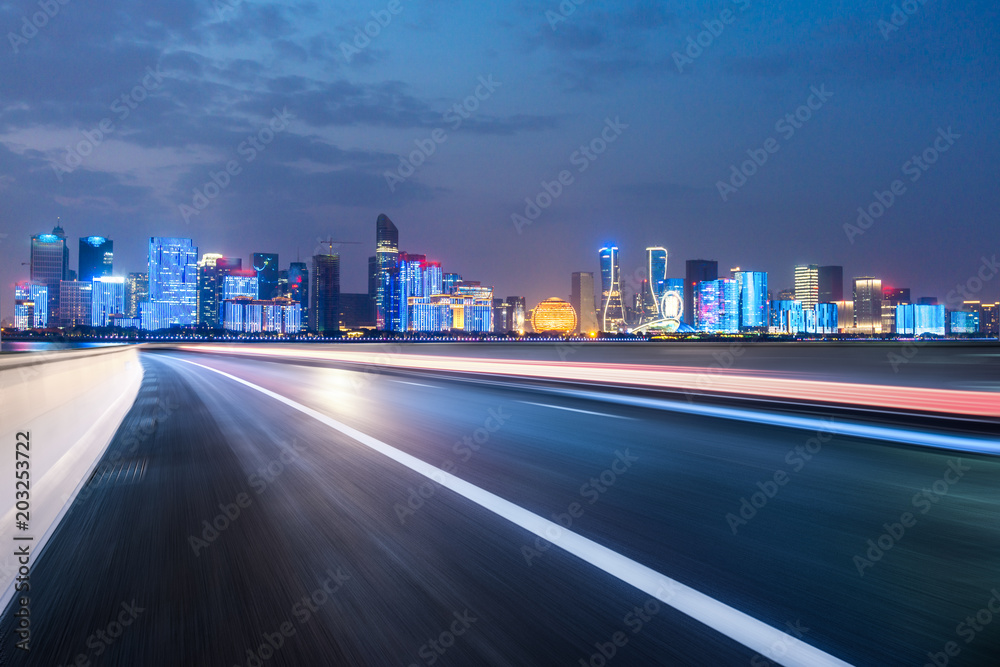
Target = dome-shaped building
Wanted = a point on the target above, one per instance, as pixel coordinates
(554, 315)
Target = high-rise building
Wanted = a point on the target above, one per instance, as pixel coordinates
(582, 300)
(717, 306)
(868, 305)
(918, 320)
(31, 306)
(472, 307)
(845, 316)
(501, 316)
(97, 258)
(989, 319)
(612, 304)
(281, 315)
(892, 297)
(656, 266)
(136, 292)
(807, 285)
(831, 284)
(753, 299)
(963, 323)
(518, 312)
(826, 318)
(386, 256)
(787, 316)
(324, 294)
(298, 289)
(696, 271)
(107, 299)
(241, 283)
(75, 298)
(209, 281)
(355, 311)
(173, 284)
(266, 266)
(50, 266)
(449, 280)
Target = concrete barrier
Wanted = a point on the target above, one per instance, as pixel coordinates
(71, 402)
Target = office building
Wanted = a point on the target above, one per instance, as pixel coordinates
(963, 323)
(787, 317)
(107, 300)
(449, 281)
(241, 283)
(612, 304)
(582, 300)
(554, 316)
(432, 313)
(298, 289)
(656, 268)
(75, 298)
(501, 316)
(472, 307)
(386, 256)
(518, 312)
(868, 305)
(136, 292)
(696, 271)
(356, 312)
(31, 306)
(266, 266)
(209, 304)
(717, 306)
(173, 284)
(50, 266)
(827, 318)
(324, 294)
(753, 305)
(989, 323)
(920, 320)
(845, 316)
(807, 285)
(96, 258)
(830, 284)
(281, 315)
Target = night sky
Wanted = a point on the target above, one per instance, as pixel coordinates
(182, 85)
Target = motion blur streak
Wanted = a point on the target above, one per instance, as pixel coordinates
(733, 623)
(713, 380)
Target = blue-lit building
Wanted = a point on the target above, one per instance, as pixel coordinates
(97, 257)
(449, 280)
(472, 308)
(612, 303)
(787, 316)
(656, 266)
(431, 313)
(173, 284)
(31, 306)
(107, 299)
(75, 301)
(248, 315)
(827, 318)
(240, 282)
(963, 322)
(919, 320)
(717, 306)
(753, 299)
(298, 288)
(266, 266)
(50, 266)
(386, 256)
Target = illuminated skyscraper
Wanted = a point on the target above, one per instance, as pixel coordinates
(787, 316)
(656, 266)
(501, 316)
(107, 299)
(97, 256)
(241, 283)
(449, 281)
(298, 289)
(173, 284)
(136, 292)
(696, 270)
(324, 295)
(266, 266)
(753, 299)
(386, 255)
(868, 305)
(826, 318)
(517, 312)
(75, 299)
(612, 306)
(472, 308)
(49, 266)
(582, 300)
(717, 306)
(918, 320)
(208, 290)
(807, 285)
(31, 306)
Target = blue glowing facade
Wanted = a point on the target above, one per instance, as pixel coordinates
(107, 300)
(920, 320)
(826, 318)
(787, 316)
(963, 322)
(753, 305)
(248, 315)
(656, 267)
(96, 258)
(31, 306)
(173, 284)
(717, 306)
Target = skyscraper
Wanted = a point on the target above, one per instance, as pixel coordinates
(717, 306)
(97, 256)
(518, 312)
(656, 265)
(298, 289)
(868, 305)
(696, 271)
(107, 299)
(612, 305)
(831, 284)
(238, 283)
(75, 298)
(324, 294)
(386, 255)
(173, 284)
(49, 266)
(753, 299)
(266, 266)
(807, 285)
(582, 300)
(31, 306)
(136, 292)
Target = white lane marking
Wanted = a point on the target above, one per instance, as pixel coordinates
(416, 384)
(586, 412)
(755, 635)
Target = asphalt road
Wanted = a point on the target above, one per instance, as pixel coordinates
(340, 555)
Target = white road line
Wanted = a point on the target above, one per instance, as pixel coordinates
(752, 633)
(586, 412)
(416, 384)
